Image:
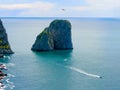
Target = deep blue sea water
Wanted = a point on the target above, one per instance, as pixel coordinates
(96, 53)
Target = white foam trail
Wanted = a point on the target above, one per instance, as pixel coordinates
(83, 72)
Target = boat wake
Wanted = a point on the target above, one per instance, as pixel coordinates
(83, 72)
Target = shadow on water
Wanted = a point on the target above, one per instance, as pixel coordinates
(57, 56)
(64, 60)
(51, 67)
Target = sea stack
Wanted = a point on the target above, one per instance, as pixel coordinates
(4, 44)
(55, 37)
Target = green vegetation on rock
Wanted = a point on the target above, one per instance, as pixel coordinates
(4, 44)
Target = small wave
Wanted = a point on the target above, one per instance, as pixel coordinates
(9, 84)
(10, 75)
(65, 59)
(10, 64)
(8, 81)
(83, 72)
(2, 87)
(8, 57)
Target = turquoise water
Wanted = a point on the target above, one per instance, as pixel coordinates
(96, 53)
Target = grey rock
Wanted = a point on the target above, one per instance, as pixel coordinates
(44, 41)
(56, 37)
(4, 44)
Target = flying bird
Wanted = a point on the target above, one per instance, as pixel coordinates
(63, 9)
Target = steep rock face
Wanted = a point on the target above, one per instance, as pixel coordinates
(44, 41)
(4, 44)
(56, 37)
(61, 32)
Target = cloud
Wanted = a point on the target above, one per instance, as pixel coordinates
(90, 8)
(35, 5)
(27, 9)
(98, 5)
(97, 8)
(103, 4)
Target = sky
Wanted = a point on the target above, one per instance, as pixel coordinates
(60, 8)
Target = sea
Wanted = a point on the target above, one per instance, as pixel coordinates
(93, 64)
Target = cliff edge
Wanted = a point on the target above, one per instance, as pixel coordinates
(4, 44)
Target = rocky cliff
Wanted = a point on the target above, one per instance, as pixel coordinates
(55, 37)
(4, 44)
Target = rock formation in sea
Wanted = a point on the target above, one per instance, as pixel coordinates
(55, 37)
(4, 44)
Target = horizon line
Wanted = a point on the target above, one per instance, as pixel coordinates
(59, 17)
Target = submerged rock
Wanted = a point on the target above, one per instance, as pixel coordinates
(4, 44)
(56, 37)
